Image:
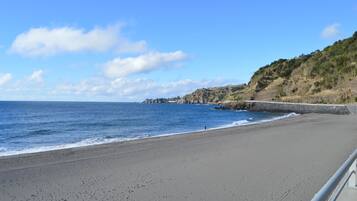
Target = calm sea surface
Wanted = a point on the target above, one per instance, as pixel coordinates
(39, 126)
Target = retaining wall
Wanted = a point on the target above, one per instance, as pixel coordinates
(301, 107)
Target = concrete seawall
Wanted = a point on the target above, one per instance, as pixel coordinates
(301, 107)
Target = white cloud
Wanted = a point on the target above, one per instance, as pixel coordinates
(331, 31)
(27, 88)
(5, 78)
(124, 89)
(121, 67)
(50, 41)
(36, 76)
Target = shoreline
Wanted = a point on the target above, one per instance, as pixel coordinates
(103, 147)
(275, 160)
(301, 108)
(83, 143)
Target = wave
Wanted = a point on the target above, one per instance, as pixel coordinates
(250, 121)
(241, 110)
(82, 143)
(95, 141)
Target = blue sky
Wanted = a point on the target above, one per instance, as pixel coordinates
(130, 50)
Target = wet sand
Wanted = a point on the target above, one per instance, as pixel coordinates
(283, 160)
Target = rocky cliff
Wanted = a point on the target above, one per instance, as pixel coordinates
(201, 96)
(211, 95)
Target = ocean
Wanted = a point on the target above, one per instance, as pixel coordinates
(27, 127)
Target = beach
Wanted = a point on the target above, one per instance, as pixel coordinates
(289, 159)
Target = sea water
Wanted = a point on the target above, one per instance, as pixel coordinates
(39, 126)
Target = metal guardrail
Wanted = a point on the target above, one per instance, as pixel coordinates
(334, 186)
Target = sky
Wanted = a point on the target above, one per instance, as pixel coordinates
(131, 50)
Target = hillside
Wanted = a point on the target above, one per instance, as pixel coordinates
(326, 76)
(212, 95)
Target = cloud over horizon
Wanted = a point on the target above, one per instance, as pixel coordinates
(5, 78)
(330, 31)
(121, 67)
(36, 76)
(133, 89)
(45, 41)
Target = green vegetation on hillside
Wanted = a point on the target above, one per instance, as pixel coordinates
(212, 95)
(326, 76)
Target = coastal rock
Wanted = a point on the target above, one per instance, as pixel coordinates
(233, 105)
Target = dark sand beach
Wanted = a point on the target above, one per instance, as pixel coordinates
(283, 160)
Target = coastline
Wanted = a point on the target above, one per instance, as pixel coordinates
(94, 142)
(172, 136)
(286, 107)
(274, 160)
